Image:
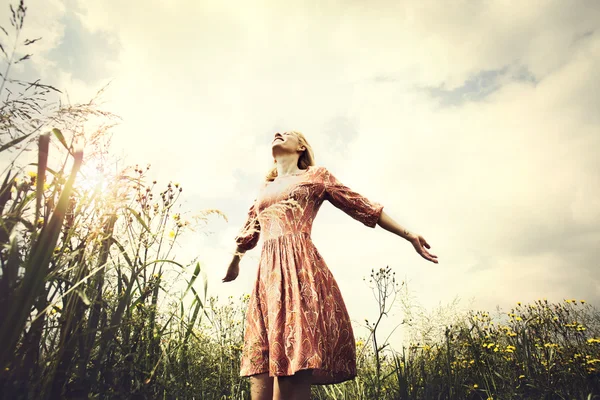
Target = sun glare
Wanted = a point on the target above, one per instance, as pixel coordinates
(91, 177)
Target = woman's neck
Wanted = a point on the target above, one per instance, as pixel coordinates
(287, 164)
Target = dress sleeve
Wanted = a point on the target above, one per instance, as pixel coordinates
(249, 234)
(358, 207)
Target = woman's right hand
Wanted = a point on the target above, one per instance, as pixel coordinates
(232, 271)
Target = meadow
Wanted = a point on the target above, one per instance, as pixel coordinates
(92, 306)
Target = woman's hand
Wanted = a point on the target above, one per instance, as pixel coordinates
(232, 271)
(419, 243)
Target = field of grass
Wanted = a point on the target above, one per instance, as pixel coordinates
(90, 309)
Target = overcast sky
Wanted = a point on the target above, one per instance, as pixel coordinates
(475, 123)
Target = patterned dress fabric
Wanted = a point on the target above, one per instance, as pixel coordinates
(296, 317)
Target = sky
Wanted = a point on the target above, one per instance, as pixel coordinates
(475, 124)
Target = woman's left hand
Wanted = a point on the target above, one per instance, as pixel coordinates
(420, 245)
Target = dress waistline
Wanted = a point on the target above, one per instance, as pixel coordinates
(306, 234)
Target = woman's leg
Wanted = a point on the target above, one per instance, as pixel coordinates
(295, 387)
(261, 387)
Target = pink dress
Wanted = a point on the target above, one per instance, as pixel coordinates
(296, 317)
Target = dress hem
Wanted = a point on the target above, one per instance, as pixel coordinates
(341, 378)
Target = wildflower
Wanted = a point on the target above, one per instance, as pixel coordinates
(582, 301)
(475, 386)
(359, 343)
(472, 362)
(521, 376)
(172, 234)
(593, 361)
(593, 340)
(519, 303)
(510, 348)
(519, 319)
(32, 174)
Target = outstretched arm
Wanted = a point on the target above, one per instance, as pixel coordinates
(418, 241)
(246, 240)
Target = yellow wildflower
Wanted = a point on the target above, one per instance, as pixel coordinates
(172, 234)
(521, 376)
(475, 386)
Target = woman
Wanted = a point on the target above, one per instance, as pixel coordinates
(298, 331)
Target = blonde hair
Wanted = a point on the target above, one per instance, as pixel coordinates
(306, 159)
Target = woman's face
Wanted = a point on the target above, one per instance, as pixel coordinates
(286, 142)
